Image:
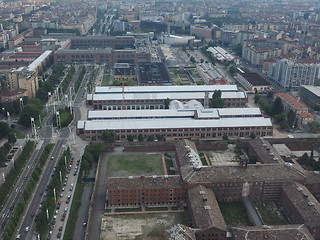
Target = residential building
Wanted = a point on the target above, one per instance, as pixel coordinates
(257, 50)
(10, 96)
(290, 103)
(123, 71)
(200, 31)
(290, 74)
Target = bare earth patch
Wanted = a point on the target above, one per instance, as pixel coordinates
(138, 226)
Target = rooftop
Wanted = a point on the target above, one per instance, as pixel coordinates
(314, 89)
(291, 100)
(255, 79)
(144, 182)
(205, 208)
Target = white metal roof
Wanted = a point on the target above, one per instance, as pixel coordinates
(39, 60)
(175, 124)
(239, 111)
(163, 95)
(158, 89)
(128, 114)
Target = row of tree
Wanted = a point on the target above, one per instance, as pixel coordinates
(32, 110)
(49, 84)
(275, 109)
(68, 78)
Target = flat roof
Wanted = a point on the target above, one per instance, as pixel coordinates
(39, 60)
(124, 124)
(157, 113)
(294, 102)
(314, 89)
(152, 89)
(163, 95)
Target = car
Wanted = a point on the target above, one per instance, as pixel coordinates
(62, 189)
(59, 203)
(12, 207)
(61, 195)
(66, 209)
(40, 193)
(40, 206)
(36, 217)
(55, 217)
(44, 195)
(60, 228)
(62, 218)
(51, 228)
(56, 212)
(71, 188)
(3, 224)
(58, 206)
(84, 224)
(32, 214)
(27, 229)
(68, 200)
(53, 222)
(52, 158)
(75, 173)
(59, 235)
(25, 177)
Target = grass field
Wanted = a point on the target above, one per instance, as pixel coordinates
(234, 214)
(19, 135)
(105, 80)
(270, 214)
(134, 165)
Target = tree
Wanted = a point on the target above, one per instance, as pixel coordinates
(280, 117)
(256, 98)
(4, 129)
(225, 137)
(232, 70)
(192, 59)
(217, 101)
(238, 50)
(277, 107)
(29, 111)
(166, 103)
(140, 138)
(291, 118)
(314, 126)
(150, 138)
(11, 137)
(130, 138)
(109, 136)
(252, 135)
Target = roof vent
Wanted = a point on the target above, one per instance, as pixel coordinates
(154, 176)
(201, 192)
(310, 203)
(207, 207)
(316, 172)
(299, 189)
(166, 176)
(130, 177)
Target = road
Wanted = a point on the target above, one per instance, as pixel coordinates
(16, 194)
(37, 198)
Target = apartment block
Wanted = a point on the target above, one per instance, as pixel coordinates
(290, 74)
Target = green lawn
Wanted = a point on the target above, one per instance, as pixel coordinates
(234, 214)
(19, 135)
(270, 215)
(105, 80)
(134, 165)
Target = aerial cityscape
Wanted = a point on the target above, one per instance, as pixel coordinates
(160, 119)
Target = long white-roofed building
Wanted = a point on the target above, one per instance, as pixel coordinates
(154, 97)
(189, 122)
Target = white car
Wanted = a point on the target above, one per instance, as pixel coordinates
(27, 229)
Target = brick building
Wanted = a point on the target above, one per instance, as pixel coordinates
(264, 152)
(301, 207)
(205, 214)
(135, 191)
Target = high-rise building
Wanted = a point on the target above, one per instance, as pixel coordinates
(291, 74)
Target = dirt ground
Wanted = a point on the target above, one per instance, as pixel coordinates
(149, 226)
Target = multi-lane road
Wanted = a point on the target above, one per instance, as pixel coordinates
(27, 229)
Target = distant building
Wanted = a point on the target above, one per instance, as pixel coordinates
(257, 50)
(123, 71)
(291, 74)
(310, 95)
(253, 82)
(202, 32)
(153, 74)
(10, 96)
